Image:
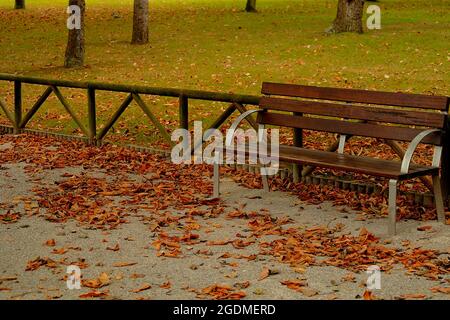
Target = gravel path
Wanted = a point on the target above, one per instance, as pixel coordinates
(134, 271)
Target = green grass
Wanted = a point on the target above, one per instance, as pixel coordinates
(214, 45)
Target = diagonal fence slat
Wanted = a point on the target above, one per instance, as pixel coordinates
(115, 117)
(69, 110)
(152, 117)
(35, 107)
(8, 114)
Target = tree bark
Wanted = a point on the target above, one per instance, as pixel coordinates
(349, 17)
(140, 22)
(20, 4)
(251, 6)
(75, 44)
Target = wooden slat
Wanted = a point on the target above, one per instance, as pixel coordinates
(360, 96)
(346, 127)
(365, 165)
(399, 116)
(332, 160)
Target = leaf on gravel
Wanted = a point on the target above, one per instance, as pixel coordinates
(50, 243)
(266, 272)
(124, 264)
(222, 292)
(8, 279)
(102, 281)
(441, 290)
(94, 294)
(166, 285)
(368, 295)
(60, 251)
(417, 296)
(144, 287)
(296, 285)
(39, 262)
(115, 248)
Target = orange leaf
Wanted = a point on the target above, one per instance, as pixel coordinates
(124, 264)
(142, 288)
(50, 243)
(413, 296)
(94, 294)
(368, 295)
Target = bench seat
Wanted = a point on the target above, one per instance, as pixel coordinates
(366, 165)
(371, 166)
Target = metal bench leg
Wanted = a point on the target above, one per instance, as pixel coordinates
(392, 207)
(216, 180)
(438, 198)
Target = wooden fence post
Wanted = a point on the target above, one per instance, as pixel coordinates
(92, 116)
(184, 112)
(17, 106)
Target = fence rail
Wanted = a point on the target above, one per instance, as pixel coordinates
(20, 120)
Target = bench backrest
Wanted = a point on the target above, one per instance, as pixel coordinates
(386, 115)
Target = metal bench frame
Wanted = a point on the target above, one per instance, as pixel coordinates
(342, 140)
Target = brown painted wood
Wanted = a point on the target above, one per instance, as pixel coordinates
(365, 165)
(332, 160)
(359, 96)
(347, 127)
(397, 116)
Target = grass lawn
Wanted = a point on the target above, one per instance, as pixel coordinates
(214, 45)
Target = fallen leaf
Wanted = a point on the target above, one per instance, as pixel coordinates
(94, 294)
(144, 287)
(413, 296)
(115, 248)
(101, 281)
(296, 285)
(368, 295)
(166, 285)
(124, 264)
(50, 243)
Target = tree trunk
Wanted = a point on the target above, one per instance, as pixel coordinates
(20, 4)
(251, 6)
(75, 44)
(140, 22)
(349, 17)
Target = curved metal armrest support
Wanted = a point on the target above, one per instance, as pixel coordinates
(235, 125)
(413, 146)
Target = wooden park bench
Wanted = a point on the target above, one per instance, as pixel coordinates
(347, 112)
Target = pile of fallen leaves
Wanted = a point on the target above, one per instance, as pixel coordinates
(355, 253)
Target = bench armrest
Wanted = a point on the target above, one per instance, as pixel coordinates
(413, 146)
(235, 125)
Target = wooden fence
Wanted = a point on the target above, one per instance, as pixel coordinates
(238, 102)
